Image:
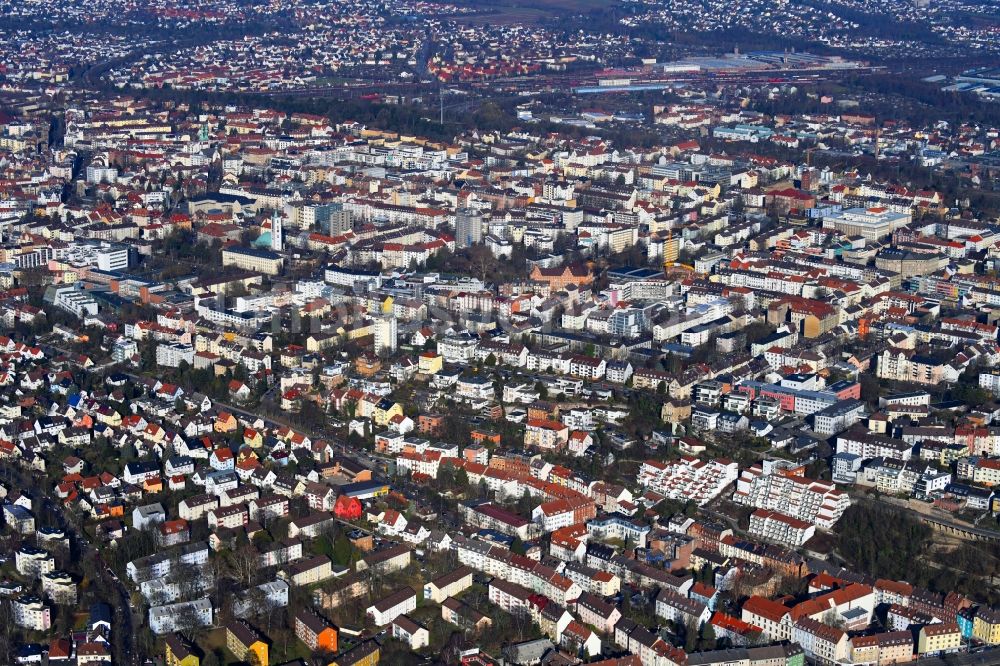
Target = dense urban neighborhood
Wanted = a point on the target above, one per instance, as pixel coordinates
(353, 333)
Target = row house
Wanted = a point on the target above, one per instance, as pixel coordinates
(884, 648)
(310, 571)
(650, 648)
(160, 564)
(500, 562)
(821, 642)
(448, 585)
(596, 612)
(680, 609)
(238, 495)
(511, 597)
(595, 581)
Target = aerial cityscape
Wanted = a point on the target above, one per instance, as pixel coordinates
(522, 332)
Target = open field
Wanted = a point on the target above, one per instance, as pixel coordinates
(510, 12)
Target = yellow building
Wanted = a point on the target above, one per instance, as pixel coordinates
(318, 342)
(225, 422)
(178, 652)
(986, 627)
(865, 652)
(675, 411)
(252, 438)
(430, 363)
(244, 641)
(671, 249)
(251, 259)
(939, 638)
(356, 330)
(385, 410)
(109, 417)
(363, 654)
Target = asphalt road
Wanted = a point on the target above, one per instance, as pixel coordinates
(122, 635)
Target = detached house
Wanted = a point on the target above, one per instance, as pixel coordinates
(222, 459)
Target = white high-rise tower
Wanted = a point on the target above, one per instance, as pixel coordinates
(386, 335)
(277, 232)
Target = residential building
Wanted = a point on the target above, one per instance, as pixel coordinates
(318, 634)
(178, 652)
(30, 613)
(821, 642)
(448, 585)
(389, 608)
(181, 616)
(414, 635)
(242, 640)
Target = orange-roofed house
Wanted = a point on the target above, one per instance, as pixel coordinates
(546, 434)
(222, 459)
(252, 438)
(225, 422)
(577, 638)
(153, 485)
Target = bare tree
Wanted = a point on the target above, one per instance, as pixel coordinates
(244, 562)
(521, 622)
(7, 633)
(188, 620)
(189, 579)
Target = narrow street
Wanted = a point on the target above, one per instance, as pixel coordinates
(115, 593)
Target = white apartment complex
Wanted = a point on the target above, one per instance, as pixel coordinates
(772, 485)
(689, 478)
(775, 526)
